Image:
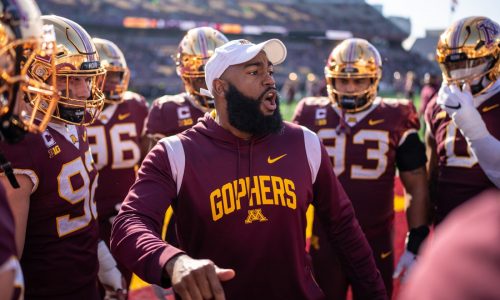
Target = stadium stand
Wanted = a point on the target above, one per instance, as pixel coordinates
(149, 31)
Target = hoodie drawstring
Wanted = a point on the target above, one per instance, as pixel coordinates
(250, 179)
(238, 162)
(250, 168)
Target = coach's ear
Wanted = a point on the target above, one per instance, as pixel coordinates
(220, 87)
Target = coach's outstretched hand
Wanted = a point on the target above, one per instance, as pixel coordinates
(195, 279)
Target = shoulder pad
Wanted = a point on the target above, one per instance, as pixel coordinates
(132, 96)
(396, 101)
(318, 101)
(175, 99)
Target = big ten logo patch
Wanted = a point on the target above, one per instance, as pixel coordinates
(320, 117)
(54, 151)
(50, 143)
(184, 116)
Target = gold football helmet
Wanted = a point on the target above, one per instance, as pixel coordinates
(193, 52)
(467, 52)
(22, 37)
(117, 72)
(353, 58)
(78, 72)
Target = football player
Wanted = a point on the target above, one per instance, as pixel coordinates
(366, 137)
(464, 126)
(429, 90)
(18, 35)
(172, 114)
(54, 209)
(116, 137)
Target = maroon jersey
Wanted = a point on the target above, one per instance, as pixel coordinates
(428, 92)
(115, 144)
(170, 115)
(60, 251)
(8, 252)
(460, 176)
(242, 204)
(363, 154)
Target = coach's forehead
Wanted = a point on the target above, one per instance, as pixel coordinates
(260, 60)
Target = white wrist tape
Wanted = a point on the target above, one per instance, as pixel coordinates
(106, 260)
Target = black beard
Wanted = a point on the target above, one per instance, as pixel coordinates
(245, 115)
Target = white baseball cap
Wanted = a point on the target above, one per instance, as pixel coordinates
(239, 51)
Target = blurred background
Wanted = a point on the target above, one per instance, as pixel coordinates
(148, 32)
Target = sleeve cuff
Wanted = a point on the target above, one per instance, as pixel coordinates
(167, 255)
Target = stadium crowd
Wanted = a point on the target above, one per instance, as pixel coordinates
(149, 51)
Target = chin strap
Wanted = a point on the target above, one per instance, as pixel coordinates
(7, 169)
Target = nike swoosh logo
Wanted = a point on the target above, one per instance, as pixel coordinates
(488, 108)
(273, 160)
(384, 255)
(375, 122)
(123, 116)
(454, 107)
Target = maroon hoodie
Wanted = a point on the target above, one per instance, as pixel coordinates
(242, 204)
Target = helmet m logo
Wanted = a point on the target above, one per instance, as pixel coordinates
(489, 31)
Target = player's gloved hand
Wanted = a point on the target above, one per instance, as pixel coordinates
(197, 278)
(459, 104)
(405, 264)
(413, 241)
(109, 275)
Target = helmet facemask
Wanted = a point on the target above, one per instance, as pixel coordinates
(191, 69)
(468, 52)
(71, 109)
(353, 101)
(75, 109)
(478, 73)
(117, 71)
(353, 59)
(194, 51)
(113, 91)
(75, 64)
(18, 48)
